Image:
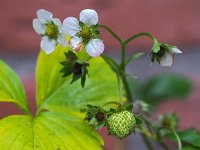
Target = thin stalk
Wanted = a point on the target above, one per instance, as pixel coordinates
(146, 133)
(123, 72)
(126, 87)
(147, 143)
(176, 135)
(140, 34)
(111, 32)
(120, 88)
(164, 146)
(123, 57)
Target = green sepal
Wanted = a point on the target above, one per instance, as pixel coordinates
(138, 119)
(92, 116)
(81, 24)
(74, 65)
(129, 108)
(70, 56)
(156, 48)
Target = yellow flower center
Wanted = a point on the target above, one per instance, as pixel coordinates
(52, 30)
(86, 34)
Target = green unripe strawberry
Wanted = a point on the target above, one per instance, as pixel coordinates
(121, 124)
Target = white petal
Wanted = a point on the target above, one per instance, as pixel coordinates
(62, 39)
(75, 43)
(47, 44)
(58, 23)
(95, 47)
(167, 60)
(71, 26)
(38, 27)
(44, 16)
(89, 17)
(175, 50)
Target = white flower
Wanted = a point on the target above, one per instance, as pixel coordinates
(84, 33)
(50, 29)
(164, 54)
(167, 59)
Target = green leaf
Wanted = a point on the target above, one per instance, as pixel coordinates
(134, 56)
(47, 131)
(162, 87)
(189, 147)
(11, 89)
(48, 76)
(190, 137)
(56, 94)
(99, 89)
(62, 126)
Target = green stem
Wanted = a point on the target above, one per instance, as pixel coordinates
(164, 146)
(153, 136)
(120, 88)
(123, 57)
(140, 34)
(111, 32)
(147, 143)
(126, 87)
(123, 72)
(176, 135)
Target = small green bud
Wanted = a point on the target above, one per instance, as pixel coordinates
(168, 120)
(121, 124)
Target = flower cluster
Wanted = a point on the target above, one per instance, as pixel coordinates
(84, 32)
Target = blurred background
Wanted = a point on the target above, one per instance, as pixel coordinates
(176, 22)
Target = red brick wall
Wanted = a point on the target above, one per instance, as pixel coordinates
(174, 21)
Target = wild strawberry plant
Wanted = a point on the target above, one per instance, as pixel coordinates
(79, 89)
